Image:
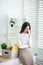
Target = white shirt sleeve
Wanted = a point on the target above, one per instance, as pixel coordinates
(30, 40)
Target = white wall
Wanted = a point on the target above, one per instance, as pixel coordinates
(12, 8)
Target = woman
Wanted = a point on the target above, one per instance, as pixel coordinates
(24, 43)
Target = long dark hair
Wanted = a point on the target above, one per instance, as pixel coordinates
(25, 24)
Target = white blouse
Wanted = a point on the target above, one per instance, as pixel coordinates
(24, 40)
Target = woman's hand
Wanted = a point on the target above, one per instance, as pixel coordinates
(29, 33)
(30, 46)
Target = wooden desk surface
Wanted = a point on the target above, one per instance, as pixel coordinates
(2, 59)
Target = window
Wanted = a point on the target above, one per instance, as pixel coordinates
(30, 12)
(40, 35)
(33, 11)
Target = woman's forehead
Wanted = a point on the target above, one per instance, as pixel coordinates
(27, 27)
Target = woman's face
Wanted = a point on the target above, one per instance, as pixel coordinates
(27, 29)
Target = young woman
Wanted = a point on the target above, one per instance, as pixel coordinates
(24, 43)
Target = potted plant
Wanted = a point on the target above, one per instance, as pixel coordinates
(12, 22)
(3, 45)
(4, 50)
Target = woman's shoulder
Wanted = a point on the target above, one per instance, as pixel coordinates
(20, 35)
(23, 34)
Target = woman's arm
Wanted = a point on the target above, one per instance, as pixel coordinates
(30, 39)
(30, 42)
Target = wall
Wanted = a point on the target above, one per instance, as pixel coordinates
(13, 8)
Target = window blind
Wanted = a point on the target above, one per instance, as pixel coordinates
(30, 12)
(40, 34)
(40, 25)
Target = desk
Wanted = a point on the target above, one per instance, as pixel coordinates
(15, 61)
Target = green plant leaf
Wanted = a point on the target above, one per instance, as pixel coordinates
(3, 45)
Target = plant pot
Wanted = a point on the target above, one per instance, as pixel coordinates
(11, 25)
